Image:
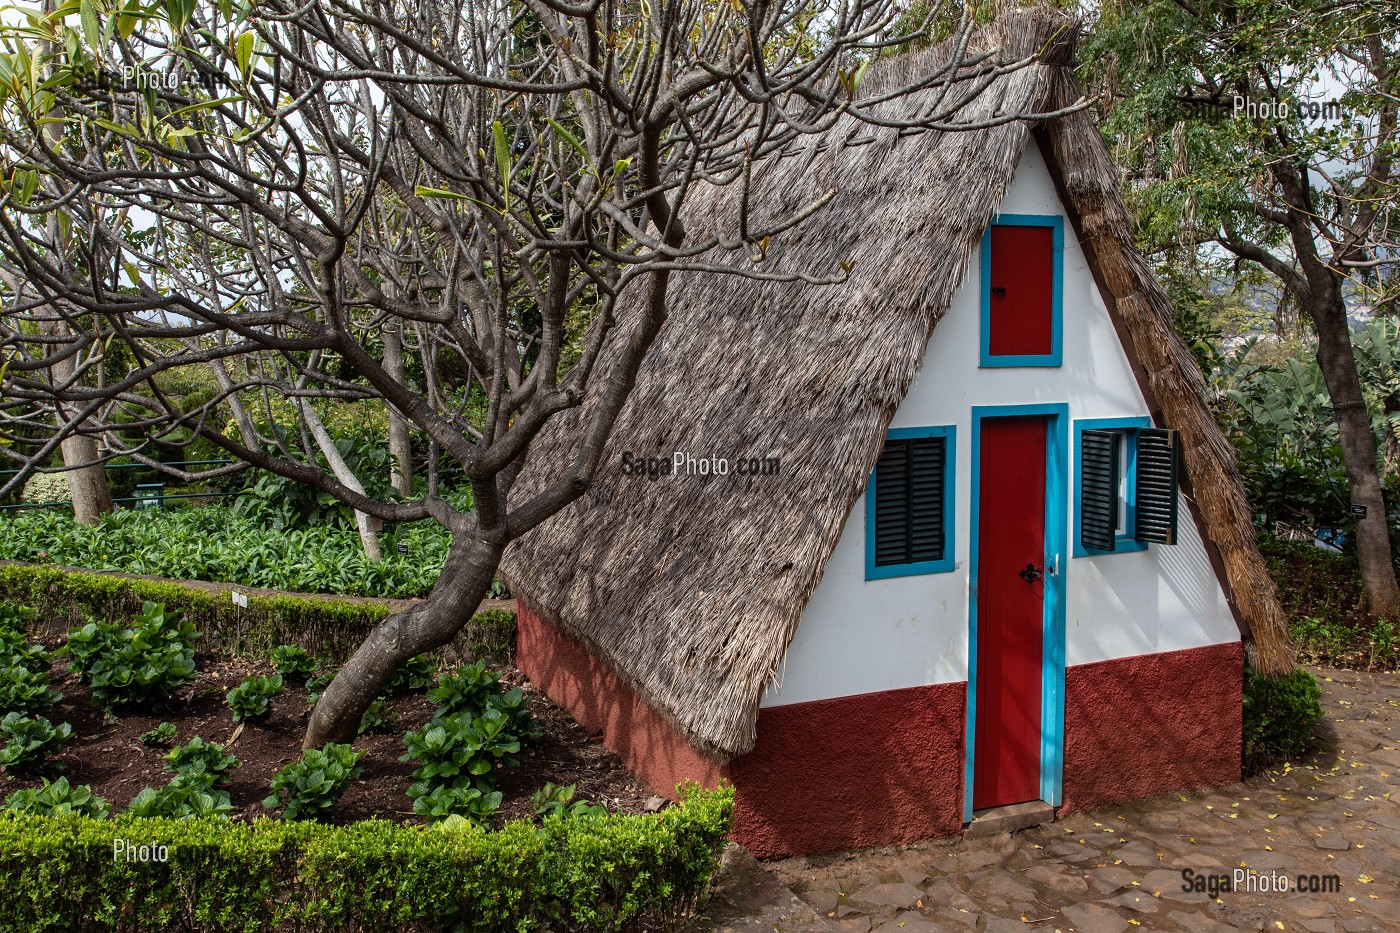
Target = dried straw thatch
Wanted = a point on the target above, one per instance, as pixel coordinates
(690, 587)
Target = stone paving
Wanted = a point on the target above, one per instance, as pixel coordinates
(1335, 814)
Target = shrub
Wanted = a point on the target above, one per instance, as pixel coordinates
(310, 787)
(379, 717)
(467, 802)
(612, 874)
(180, 800)
(56, 799)
(252, 699)
(553, 800)
(25, 691)
(465, 689)
(146, 663)
(29, 741)
(460, 750)
(15, 647)
(162, 736)
(294, 663)
(414, 674)
(197, 759)
(1279, 714)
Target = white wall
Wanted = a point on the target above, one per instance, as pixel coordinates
(859, 636)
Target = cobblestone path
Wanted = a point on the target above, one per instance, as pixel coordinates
(1334, 815)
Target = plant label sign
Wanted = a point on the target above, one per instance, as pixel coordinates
(240, 600)
(1358, 511)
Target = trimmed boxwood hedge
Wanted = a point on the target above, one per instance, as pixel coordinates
(609, 873)
(327, 626)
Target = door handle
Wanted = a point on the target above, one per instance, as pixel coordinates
(1031, 574)
(999, 291)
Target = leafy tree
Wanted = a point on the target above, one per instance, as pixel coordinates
(1221, 113)
(264, 190)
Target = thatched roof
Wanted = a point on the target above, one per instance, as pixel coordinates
(691, 588)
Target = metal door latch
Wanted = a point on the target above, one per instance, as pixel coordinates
(1031, 574)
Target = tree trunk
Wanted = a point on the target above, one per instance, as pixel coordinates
(1338, 363)
(87, 479)
(368, 526)
(432, 623)
(400, 455)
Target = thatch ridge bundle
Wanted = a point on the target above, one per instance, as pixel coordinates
(691, 587)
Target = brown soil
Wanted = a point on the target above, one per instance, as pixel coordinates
(107, 754)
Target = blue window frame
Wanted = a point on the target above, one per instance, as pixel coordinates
(1125, 540)
(879, 564)
(1056, 354)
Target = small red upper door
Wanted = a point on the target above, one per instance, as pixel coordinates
(1010, 611)
(1022, 300)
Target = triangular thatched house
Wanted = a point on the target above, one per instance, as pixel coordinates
(952, 564)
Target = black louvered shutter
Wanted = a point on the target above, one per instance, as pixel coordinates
(1098, 489)
(1156, 485)
(909, 502)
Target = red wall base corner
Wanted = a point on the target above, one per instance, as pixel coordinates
(876, 769)
(1153, 723)
(652, 748)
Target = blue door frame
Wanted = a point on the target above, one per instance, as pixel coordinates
(1052, 700)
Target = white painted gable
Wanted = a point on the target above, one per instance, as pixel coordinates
(864, 636)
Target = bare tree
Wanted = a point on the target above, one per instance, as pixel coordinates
(258, 189)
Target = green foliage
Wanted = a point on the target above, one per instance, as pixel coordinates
(612, 874)
(252, 699)
(57, 798)
(162, 736)
(328, 627)
(29, 741)
(461, 750)
(310, 787)
(414, 674)
(469, 803)
(25, 691)
(294, 662)
(180, 800)
(144, 664)
(219, 545)
(15, 648)
(554, 800)
(379, 717)
(199, 762)
(1279, 714)
(465, 688)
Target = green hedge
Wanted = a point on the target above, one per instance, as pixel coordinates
(327, 627)
(608, 873)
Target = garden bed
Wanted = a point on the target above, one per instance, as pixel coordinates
(107, 753)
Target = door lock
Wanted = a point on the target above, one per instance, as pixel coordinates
(1031, 574)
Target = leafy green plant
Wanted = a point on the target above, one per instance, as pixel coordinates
(16, 650)
(58, 798)
(294, 663)
(414, 674)
(252, 699)
(379, 717)
(219, 544)
(200, 762)
(145, 664)
(1279, 714)
(29, 741)
(465, 689)
(162, 736)
(316, 686)
(554, 800)
(468, 802)
(180, 800)
(460, 750)
(25, 691)
(310, 787)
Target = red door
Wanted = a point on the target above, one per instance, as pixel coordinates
(1023, 291)
(1010, 611)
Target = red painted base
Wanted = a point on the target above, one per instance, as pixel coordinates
(852, 772)
(601, 702)
(1152, 723)
(887, 768)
